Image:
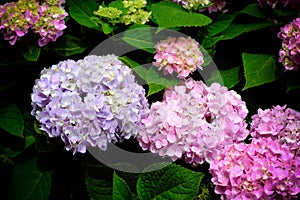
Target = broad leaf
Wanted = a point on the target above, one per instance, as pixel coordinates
(11, 120)
(31, 52)
(259, 69)
(169, 14)
(82, 11)
(106, 27)
(28, 182)
(121, 190)
(254, 10)
(230, 77)
(220, 24)
(140, 37)
(224, 20)
(293, 81)
(171, 182)
(69, 45)
(99, 188)
(156, 80)
(235, 30)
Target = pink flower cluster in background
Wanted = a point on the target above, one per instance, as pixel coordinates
(263, 169)
(203, 5)
(274, 3)
(289, 54)
(194, 121)
(279, 123)
(46, 18)
(181, 55)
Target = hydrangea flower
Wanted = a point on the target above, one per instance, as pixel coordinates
(289, 54)
(43, 17)
(263, 169)
(274, 3)
(181, 55)
(193, 5)
(194, 121)
(134, 14)
(279, 123)
(203, 5)
(90, 102)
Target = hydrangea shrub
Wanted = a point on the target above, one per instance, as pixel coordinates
(194, 121)
(90, 102)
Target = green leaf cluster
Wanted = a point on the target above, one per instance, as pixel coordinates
(182, 184)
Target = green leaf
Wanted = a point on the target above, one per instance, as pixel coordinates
(140, 37)
(235, 30)
(259, 69)
(82, 11)
(171, 182)
(106, 27)
(11, 120)
(154, 79)
(230, 77)
(220, 24)
(28, 182)
(31, 52)
(293, 81)
(127, 61)
(169, 14)
(69, 45)
(285, 13)
(99, 188)
(254, 10)
(121, 190)
(151, 75)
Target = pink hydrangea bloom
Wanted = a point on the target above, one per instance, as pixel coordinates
(289, 54)
(278, 123)
(194, 121)
(263, 169)
(181, 55)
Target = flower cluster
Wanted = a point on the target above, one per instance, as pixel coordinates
(274, 3)
(203, 5)
(181, 55)
(263, 169)
(133, 13)
(279, 123)
(193, 5)
(194, 121)
(289, 54)
(89, 102)
(43, 17)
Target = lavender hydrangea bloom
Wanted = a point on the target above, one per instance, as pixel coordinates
(43, 17)
(194, 121)
(263, 169)
(89, 102)
(289, 54)
(279, 123)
